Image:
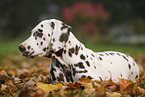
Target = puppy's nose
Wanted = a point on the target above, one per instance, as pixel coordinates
(22, 48)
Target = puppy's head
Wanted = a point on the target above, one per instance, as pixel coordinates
(47, 35)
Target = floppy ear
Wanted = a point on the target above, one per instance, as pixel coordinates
(60, 35)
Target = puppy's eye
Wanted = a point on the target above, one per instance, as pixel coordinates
(38, 33)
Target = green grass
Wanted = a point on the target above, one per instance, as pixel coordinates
(11, 48)
(8, 48)
(133, 50)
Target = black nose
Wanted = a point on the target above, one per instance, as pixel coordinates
(22, 48)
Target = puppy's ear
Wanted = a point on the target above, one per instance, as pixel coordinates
(65, 30)
(60, 35)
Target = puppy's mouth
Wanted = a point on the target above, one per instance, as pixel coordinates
(28, 54)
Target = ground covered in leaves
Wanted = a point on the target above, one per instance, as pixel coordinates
(22, 77)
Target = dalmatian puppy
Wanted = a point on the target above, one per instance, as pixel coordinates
(71, 60)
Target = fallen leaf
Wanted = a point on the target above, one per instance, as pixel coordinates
(47, 87)
(126, 85)
(113, 94)
(86, 80)
(3, 72)
(141, 90)
(3, 87)
(107, 83)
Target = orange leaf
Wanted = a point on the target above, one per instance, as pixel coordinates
(86, 80)
(125, 85)
(3, 72)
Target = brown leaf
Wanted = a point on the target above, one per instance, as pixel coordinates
(126, 85)
(107, 83)
(86, 80)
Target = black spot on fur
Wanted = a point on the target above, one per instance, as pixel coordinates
(82, 57)
(69, 53)
(69, 30)
(71, 50)
(64, 51)
(125, 58)
(57, 65)
(59, 53)
(129, 66)
(42, 26)
(51, 51)
(53, 40)
(76, 65)
(52, 73)
(118, 54)
(87, 56)
(52, 25)
(38, 33)
(92, 55)
(85, 71)
(83, 76)
(40, 30)
(37, 43)
(28, 47)
(44, 39)
(101, 54)
(77, 49)
(89, 77)
(131, 73)
(44, 49)
(136, 76)
(41, 43)
(80, 64)
(81, 48)
(69, 76)
(48, 35)
(35, 38)
(74, 71)
(121, 75)
(95, 67)
(51, 44)
(64, 26)
(100, 78)
(88, 64)
(107, 54)
(61, 77)
(100, 58)
(63, 37)
(111, 53)
(33, 52)
(133, 64)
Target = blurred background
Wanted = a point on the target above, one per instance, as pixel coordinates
(117, 25)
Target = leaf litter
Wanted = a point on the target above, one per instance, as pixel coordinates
(22, 77)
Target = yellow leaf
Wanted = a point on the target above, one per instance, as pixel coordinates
(113, 94)
(141, 90)
(48, 87)
(3, 87)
